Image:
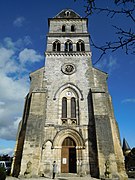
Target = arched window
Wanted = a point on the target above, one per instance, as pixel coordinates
(66, 110)
(73, 107)
(67, 13)
(64, 107)
(69, 107)
(56, 46)
(63, 28)
(68, 46)
(73, 28)
(80, 46)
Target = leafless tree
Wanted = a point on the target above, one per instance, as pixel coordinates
(125, 39)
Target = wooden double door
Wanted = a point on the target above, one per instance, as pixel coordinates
(68, 156)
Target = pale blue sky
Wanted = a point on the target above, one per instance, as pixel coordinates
(23, 30)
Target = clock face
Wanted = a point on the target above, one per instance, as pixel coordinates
(68, 69)
(68, 93)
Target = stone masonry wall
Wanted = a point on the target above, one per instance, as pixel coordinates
(34, 134)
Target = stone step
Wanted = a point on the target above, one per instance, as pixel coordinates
(73, 176)
(68, 175)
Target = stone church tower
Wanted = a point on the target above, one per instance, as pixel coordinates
(68, 114)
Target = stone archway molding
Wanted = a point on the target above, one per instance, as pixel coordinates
(68, 132)
(68, 85)
(44, 144)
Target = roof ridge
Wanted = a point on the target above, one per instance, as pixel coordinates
(64, 14)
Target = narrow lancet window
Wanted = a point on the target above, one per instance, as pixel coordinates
(80, 46)
(73, 28)
(68, 46)
(73, 107)
(64, 107)
(56, 46)
(63, 28)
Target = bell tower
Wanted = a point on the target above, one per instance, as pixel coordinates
(68, 56)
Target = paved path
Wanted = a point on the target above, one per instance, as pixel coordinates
(59, 178)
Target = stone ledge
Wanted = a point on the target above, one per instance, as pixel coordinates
(68, 53)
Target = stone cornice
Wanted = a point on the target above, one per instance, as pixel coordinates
(47, 53)
(68, 19)
(68, 35)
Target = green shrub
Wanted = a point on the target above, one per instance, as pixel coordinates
(2, 173)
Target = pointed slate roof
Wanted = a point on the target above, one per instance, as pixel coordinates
(125, 147)
(67, 13)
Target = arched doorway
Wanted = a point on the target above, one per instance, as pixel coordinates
(68, 156)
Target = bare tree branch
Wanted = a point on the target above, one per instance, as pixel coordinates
(123, 1)
(125, 39)
(111, 12)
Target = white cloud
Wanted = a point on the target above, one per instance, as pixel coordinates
(129, 100)
(27, 40)
(2, 103)
(19, 21)
(8, 43)
(17, 45)
(107, 65)
(9, 132)
(7, 62)
(12, 94)
(16, 122)
(11, 89)
(5, 151)
(29, 55)
(5, 55)
(14, 83)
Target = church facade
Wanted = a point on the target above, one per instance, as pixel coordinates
(68, 114)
